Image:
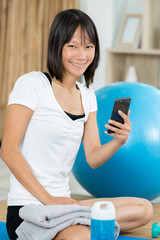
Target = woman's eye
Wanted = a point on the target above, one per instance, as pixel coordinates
(90, 46)
(71, 46)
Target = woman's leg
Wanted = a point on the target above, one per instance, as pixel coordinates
(13, 221)
(76, 232)
(130, 212)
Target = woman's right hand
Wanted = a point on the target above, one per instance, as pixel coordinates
(62, 201)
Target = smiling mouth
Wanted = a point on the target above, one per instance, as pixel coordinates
(77, 64)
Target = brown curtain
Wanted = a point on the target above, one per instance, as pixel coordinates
(24, 29)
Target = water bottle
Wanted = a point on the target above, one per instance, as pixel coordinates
(103, 221)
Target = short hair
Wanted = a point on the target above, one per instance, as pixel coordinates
(62, 29)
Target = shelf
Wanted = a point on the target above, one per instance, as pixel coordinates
(146, 63)
(154, 52)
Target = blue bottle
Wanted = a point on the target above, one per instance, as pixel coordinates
(103, 221)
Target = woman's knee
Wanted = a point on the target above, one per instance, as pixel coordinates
(76, 232)
(147, 210)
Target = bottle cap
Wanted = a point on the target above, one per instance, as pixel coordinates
(103, 210)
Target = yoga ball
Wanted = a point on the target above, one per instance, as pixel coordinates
(134, 169)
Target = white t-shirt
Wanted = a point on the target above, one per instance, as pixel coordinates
(52, 138)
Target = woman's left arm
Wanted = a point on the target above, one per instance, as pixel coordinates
(97, 154)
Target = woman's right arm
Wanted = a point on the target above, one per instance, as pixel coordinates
(17, 119)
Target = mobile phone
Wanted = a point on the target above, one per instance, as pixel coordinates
(121, 104)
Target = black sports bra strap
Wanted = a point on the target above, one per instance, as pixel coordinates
(48, 76)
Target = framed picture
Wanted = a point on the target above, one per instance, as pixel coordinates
(130, 31)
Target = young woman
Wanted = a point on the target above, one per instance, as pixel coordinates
(48, 116)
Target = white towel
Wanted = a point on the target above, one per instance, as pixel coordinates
(45, 222)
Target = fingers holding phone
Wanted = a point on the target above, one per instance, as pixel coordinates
(127, 124)
(119, 125)
(118, 130)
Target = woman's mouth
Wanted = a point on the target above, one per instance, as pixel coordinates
(78, 64)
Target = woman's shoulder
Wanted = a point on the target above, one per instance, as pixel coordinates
(27, 90)
(34, 79)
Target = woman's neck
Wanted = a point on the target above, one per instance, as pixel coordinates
(70, 85)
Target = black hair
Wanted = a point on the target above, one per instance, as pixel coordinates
(62, 29)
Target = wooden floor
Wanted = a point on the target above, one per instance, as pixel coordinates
(3, 210)
(143, 232)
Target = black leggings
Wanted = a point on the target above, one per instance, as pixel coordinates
(13, 221)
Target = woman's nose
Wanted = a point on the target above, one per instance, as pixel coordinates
(81, 53)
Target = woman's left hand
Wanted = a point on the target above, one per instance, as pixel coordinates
(122, 132)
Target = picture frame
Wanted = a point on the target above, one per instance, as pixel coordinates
(130, 31)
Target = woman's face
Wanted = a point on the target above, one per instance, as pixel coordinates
(77, 54)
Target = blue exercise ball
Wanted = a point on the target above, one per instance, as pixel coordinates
(134, 169)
